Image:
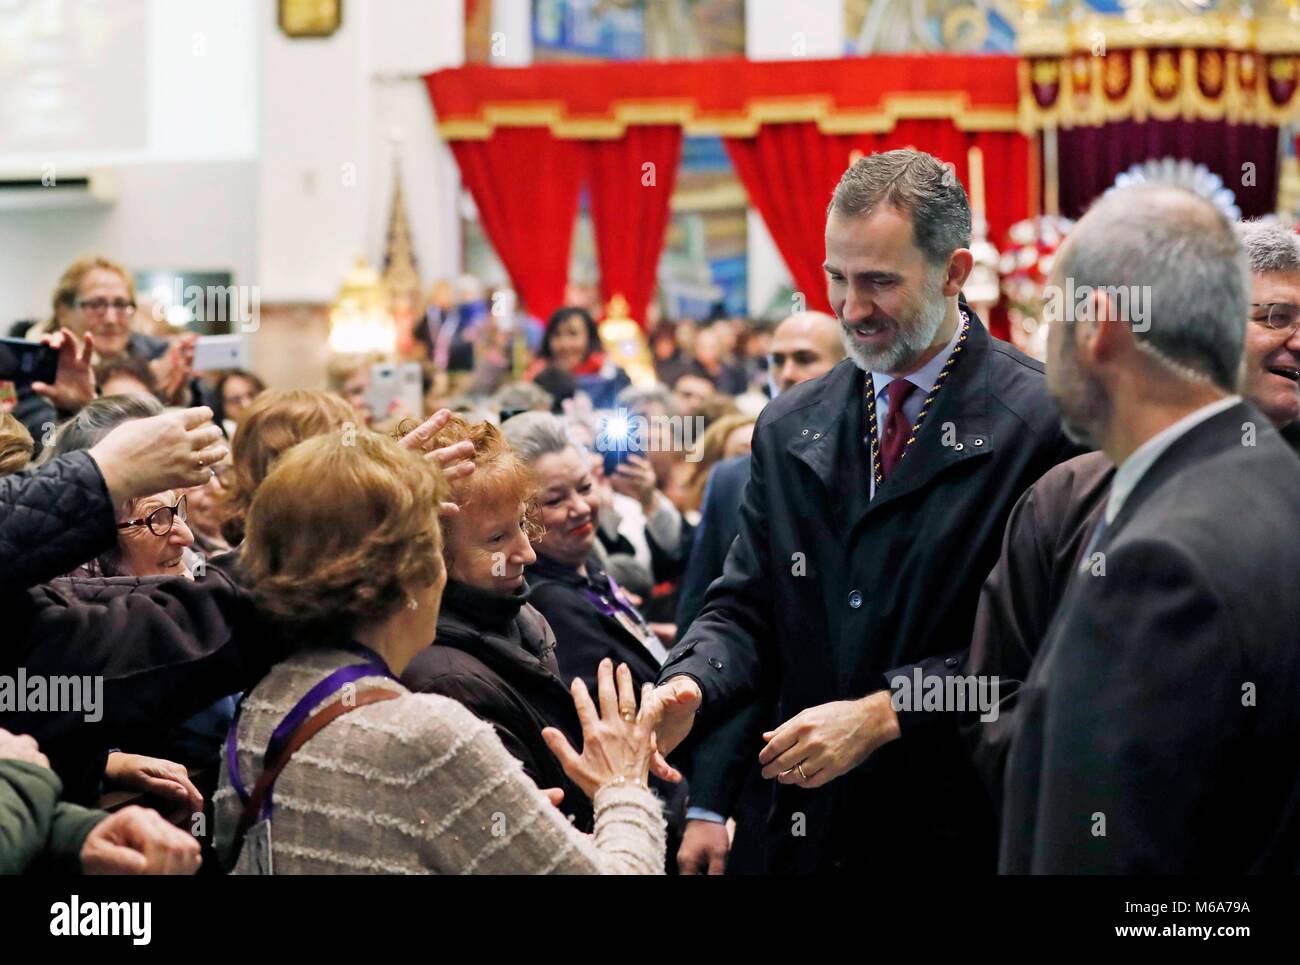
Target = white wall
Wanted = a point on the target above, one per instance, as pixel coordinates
(188, 197)
(415, 37)
(266, 156)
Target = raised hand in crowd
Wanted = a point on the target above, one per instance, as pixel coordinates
(171, 451)
(618, 740)
(172, 370)
(74, 384)
(163, 779)
(636, 478)
(138, 841)
(456, 460)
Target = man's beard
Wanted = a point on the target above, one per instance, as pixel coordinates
(913, 334)
(1081, 400)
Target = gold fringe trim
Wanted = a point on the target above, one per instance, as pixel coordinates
(829, 119)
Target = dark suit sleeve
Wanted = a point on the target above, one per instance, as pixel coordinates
(1147, 677)
(1014, 606)
(708, 553)
(1016, 602)
(165, 648)
(729, 649)
(721, 759)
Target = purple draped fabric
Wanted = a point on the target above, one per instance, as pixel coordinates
(1091, 157)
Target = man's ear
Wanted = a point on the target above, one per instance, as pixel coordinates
(960, 263)
(1105, 334)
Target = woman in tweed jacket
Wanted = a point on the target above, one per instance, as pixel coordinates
(343, 548)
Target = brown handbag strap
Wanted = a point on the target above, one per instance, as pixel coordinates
(309, 729)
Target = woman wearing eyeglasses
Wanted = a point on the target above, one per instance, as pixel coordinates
(152, 540)
(96, 297)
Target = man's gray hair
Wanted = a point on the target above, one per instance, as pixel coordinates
(635, 399)
(1270, 246)
(1180, 255)
(533, 435)
(916, 183)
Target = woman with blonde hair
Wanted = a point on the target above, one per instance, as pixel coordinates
(272, 424)
(94, 301)
(334, 766)
(727, 437)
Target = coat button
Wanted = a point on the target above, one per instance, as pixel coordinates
(950, 662)
(715, 663)
(855, 599)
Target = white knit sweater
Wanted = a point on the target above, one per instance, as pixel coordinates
(418, 785)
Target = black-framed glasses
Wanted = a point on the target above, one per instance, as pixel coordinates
(160, 521)
(1276, 316)
(100, 306)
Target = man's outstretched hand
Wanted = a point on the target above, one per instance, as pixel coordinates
(681, 698)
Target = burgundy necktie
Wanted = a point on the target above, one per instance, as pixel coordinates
(897, 428)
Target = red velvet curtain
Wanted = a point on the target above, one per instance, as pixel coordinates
(525, 183)
(790, 170)
(631, 184)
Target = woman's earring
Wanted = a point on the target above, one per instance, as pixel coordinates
(411, 603)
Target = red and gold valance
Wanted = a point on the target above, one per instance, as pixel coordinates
(1205, 68)
(729, 98)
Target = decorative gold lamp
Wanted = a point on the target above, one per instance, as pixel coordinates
(625, 344)
(360, 320)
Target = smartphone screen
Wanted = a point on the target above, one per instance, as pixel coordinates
(24, 362)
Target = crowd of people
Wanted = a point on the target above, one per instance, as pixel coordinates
(854, 583)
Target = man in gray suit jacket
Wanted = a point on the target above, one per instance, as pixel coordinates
(1158, 731)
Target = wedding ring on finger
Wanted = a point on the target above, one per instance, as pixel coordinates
(629, 715)
(799, 767)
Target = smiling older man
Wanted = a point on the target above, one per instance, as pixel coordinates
(1055, 520)
(875, 507)
(1157, 731)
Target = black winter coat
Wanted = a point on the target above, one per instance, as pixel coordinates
(828, 594)
(496, 655)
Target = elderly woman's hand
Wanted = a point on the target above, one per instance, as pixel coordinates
(173, 368)
(456, 461)
(618, 741)
(74, 383)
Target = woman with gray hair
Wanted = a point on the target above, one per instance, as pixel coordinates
(592, 617)
(152, 540)
(590, 614)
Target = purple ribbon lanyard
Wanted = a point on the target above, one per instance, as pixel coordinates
(318, 694)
